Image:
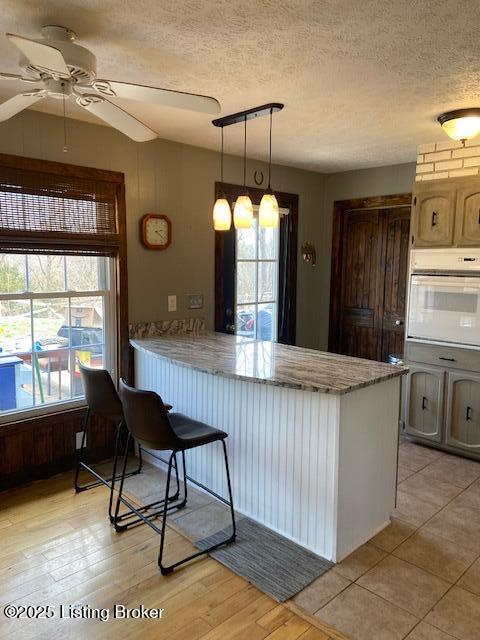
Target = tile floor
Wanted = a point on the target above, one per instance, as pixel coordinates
(418, 579)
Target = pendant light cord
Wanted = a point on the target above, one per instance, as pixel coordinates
(270, 152)
(65, 148)
(221, 161)
(245, 156)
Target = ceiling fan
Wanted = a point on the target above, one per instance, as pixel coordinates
(64, 69)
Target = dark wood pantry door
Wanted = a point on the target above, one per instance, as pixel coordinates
(369, 271)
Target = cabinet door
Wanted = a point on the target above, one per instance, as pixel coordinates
(433, 215)
(467, 217)
(463, 411)
(424, 402)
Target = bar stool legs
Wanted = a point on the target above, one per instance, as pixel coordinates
(82, 464)
(122, 521)
(165, 570)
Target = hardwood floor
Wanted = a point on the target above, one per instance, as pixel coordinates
(57, 548)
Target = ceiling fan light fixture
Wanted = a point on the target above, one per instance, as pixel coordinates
(269, 214)
(461, 124)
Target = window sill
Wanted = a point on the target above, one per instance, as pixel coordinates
(25, 415)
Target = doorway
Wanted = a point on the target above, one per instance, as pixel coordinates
(369, 276)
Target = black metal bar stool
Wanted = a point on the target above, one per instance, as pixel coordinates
(103, 401)
(154, 428)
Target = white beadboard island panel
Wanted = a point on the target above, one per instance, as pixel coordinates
(301, 461)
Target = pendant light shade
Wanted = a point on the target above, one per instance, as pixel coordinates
(222, 215)
(462, 124)
(269, 215)
(243, 213)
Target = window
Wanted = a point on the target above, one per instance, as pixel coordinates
(256, 283)
(63, 298)
(56, 311)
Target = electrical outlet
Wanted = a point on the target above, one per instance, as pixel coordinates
(78, 440)
(195, 300)
(172, 303)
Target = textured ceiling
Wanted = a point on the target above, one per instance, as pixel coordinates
(362, 81)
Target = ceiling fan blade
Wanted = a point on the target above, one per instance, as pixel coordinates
(41, 56)
(15, 76)
(18, 103)
(154, 95)
(116, 117)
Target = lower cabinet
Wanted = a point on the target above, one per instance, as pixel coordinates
(424, 402)
(428, 390)
(463, 411)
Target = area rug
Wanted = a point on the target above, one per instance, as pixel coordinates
(277, 566)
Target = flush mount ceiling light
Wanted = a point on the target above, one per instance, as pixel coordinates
(243, 210)
(461, 124)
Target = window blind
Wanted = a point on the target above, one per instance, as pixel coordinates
(46, 212)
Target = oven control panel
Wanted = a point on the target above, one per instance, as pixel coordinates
(445, 260)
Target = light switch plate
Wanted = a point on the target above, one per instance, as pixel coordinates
(195, 300)
(78, 440)
(172, 303)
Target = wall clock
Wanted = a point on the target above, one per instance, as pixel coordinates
(156, 230)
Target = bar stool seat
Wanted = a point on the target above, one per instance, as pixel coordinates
(154, 428)
(193, 433)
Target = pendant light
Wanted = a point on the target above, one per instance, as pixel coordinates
(222, 215)
(243, 210)
(269, 215)
(461, 124)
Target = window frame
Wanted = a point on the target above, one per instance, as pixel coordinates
(258, 261)
(108, 294)
(113, 247)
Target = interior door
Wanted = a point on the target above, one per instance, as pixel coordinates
(396, 236)
(375, 246)
(360, 284)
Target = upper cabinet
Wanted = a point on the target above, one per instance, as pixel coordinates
(446, 213)
(467, 217)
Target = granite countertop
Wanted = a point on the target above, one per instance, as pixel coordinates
(268, 363)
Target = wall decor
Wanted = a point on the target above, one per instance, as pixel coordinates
(156, 231)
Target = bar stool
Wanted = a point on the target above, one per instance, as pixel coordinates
(154, 428)
(103, 401)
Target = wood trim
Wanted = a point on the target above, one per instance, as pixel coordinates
(285, 200)
(340, 207)
(60, 168)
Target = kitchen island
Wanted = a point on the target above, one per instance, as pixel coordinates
(312, 436)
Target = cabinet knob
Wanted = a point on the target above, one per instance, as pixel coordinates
(398, 323)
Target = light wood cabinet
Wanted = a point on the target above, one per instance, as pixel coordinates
(467, 217)
(463, 411)
(424, 402)
(446, 213)
(433, 217)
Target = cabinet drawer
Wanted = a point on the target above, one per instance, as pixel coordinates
(448, 357)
